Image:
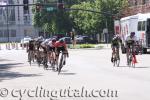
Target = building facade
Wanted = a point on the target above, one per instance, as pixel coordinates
(137, 6)
(16, 21)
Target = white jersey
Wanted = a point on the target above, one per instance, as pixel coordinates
(45, 43)
(128, 38)
(51, 44)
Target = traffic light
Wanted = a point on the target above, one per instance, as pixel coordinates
(25, 2)
(60, 4)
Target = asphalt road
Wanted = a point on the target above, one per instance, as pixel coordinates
(87, 75)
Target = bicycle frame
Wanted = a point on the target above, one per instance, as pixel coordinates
(61, 61)
(130, 56)
(52, 59)
(116, 59)
(30, 56)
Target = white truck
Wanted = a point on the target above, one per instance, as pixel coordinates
(140, 24)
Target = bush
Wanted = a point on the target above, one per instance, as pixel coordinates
(87, 46)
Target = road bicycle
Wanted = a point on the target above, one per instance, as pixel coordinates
(131, 58)
(61, 61)
(42, 58)
(52, 60)
(30, 56)
(116, 58)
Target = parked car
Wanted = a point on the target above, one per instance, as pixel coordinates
(67, 40)
(24, 41)
(80, 39)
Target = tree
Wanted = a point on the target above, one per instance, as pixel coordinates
(51, 21)
(90, 22)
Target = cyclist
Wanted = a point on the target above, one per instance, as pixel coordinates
(51, 48)
(60, 45)
(30, 48)
(130, 41)
(116, 41)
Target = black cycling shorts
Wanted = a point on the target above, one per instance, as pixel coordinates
(60, 49)
(51, 48)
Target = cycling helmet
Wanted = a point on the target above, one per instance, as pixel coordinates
(61, 40)
(53, 40)
(132, 33)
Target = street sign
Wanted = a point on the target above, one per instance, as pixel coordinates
(50, 8)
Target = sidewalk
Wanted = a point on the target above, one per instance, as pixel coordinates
(107, 46)
(96, 47)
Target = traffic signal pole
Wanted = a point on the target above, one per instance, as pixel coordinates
(62, 4)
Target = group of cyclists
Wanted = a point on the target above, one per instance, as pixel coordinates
(47, 51)
(130, 43)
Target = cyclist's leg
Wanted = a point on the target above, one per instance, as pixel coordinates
(53, 53)
(127, 54)
(65, 54)
(49, 56)
(113, 51)
(117, 50)
(28, 55)
(57, 51)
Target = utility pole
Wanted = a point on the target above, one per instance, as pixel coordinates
(7, 22)
(106, 32)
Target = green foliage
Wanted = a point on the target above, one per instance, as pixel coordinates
(90, 22)
(51, 21)
(82, 21)
(87, 46)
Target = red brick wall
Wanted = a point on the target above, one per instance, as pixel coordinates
(135, 9)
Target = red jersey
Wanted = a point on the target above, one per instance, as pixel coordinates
(59, 44)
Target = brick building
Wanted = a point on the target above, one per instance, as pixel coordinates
(137, 6)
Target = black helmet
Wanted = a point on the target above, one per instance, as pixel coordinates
(53, 40)
(132, 33)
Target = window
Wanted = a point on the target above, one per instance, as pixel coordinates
(1, 11)
(12, 14)
(148, 25)
(25, 32)
(26, 7)
(141, 26)
(13, 33)
(27, 20)
(1, 33)
(5, 33)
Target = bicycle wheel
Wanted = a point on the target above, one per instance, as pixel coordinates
(130, 60)
(118, 62)
(133, 62)
(60, 64)
(29, 58)
(53, 64)
(114, 61)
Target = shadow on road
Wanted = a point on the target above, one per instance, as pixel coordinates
(4, 60)
(123, 66)
(143, 67)
(6, 74)
(136, 67)
(65, 73)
